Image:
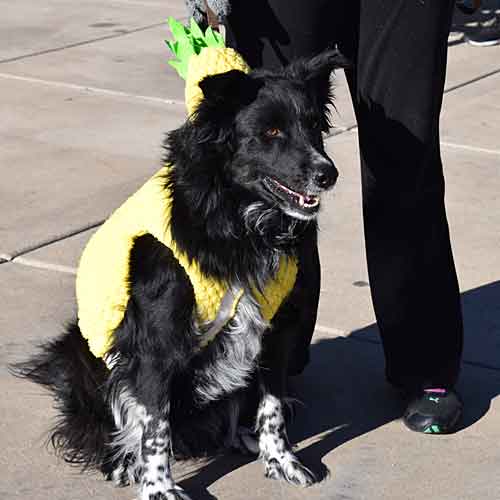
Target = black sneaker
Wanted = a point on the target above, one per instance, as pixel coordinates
(434, 411)
(487, 34)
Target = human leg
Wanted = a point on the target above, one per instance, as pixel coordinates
(272, 33)
(397, 86)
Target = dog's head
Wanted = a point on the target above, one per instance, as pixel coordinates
(271, 124)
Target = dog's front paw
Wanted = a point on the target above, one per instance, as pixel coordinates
(290, 469)
(175, 493)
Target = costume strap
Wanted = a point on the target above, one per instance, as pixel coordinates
(227, 310)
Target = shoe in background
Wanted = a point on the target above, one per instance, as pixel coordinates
(486, 34)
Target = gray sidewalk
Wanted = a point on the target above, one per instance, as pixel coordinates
(86, 96)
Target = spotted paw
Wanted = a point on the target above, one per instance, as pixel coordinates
(298, 474)
(289, 469)
(273, 469)
(175, 493)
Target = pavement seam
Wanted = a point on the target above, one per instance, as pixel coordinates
(336, 332)
(472, 80)
(44, 265)
(159, 100)
(94, 90)
(342, 130)
(83, 42)
(332, 331)
(474, 149)
(55, 239)
(451, 145)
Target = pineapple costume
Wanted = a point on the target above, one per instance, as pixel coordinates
(102, 284)
(199, 55)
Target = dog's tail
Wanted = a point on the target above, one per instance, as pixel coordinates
(65, 366)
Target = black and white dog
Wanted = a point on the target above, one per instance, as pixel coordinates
(249, 169)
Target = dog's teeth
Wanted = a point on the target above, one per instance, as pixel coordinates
(302, 200)
(312, 201)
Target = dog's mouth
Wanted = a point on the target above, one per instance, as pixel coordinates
(304, 202)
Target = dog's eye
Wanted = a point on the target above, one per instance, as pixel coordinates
(273, 132)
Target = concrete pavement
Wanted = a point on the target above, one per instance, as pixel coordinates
(86, 96)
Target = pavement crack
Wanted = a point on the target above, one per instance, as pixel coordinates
(343, 130)
(81, 43)
(55, 239)
(473, 149)
(93, 90)
(39, 264)
(472, 80)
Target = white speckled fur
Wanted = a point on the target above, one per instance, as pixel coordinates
(237, 351)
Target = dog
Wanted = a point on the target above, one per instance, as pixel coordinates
(244, 178)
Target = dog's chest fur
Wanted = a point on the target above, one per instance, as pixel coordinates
(232, 356)
(227, 363)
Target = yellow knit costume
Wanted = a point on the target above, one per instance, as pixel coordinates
(102, 284)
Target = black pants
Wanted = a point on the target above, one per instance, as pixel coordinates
(399, 49)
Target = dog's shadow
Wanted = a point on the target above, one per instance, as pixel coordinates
(344, 393)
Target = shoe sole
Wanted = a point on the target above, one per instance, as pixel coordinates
(483, 44)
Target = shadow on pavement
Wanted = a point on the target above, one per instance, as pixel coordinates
(344, 393)
(206, 474)
(481, 310)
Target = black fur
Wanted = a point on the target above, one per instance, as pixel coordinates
(254, 140)
(78, 381)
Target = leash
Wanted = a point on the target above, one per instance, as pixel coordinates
(213, 21)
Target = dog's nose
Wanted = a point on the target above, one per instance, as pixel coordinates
(326, 177)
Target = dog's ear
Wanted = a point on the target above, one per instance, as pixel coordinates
(315, 72)
(319, 66)
(229, 90)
